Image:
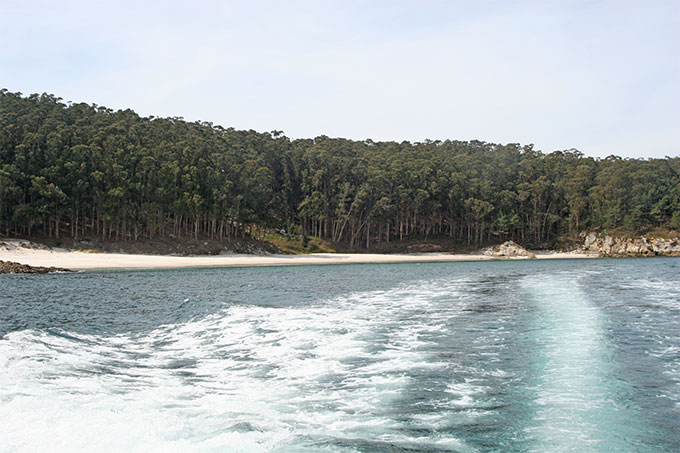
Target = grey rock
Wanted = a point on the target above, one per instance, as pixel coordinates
(509, 249)
(639, 246)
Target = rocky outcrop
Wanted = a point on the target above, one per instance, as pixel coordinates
(509, 249)
(11, 245)
(10, 267)
(620, 246)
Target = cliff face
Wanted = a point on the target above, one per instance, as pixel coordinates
(641, 246)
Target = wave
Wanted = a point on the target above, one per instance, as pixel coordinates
(323, 376)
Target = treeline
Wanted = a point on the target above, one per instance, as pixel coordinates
(82, 170)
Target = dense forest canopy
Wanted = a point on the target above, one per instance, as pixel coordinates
(85, 170)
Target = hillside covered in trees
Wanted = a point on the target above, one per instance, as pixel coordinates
(79, 170)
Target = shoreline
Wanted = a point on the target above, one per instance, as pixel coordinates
(79, 261)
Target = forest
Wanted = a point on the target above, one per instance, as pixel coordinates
(77, 170)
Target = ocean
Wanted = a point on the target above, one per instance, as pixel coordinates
(550, 355)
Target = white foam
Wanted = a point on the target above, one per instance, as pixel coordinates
(249, 378)
(575, 405)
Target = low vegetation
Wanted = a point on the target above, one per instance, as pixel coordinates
(297, 244)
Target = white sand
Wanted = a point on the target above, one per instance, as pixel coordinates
(14, 251)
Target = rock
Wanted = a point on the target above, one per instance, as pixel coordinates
(18, 244)
(509, 249)
(640, 246)
(10, 267)
(608, 243)
(590, 240)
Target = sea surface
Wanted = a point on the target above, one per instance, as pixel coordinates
(557, 355)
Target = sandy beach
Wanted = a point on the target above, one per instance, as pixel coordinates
(76, 260)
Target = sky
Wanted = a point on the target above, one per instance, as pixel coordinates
(602, 77)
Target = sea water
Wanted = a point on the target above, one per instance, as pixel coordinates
(557, 355)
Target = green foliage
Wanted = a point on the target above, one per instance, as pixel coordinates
(299, 244)
(81, 170)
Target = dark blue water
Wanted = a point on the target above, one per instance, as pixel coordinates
(571, 355)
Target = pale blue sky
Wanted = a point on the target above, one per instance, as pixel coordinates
(599, 76)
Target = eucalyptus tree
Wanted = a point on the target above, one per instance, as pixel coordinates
(79, 170)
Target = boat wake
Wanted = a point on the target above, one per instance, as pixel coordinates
(250, 378)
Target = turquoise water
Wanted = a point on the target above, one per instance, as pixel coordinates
(564, 355)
